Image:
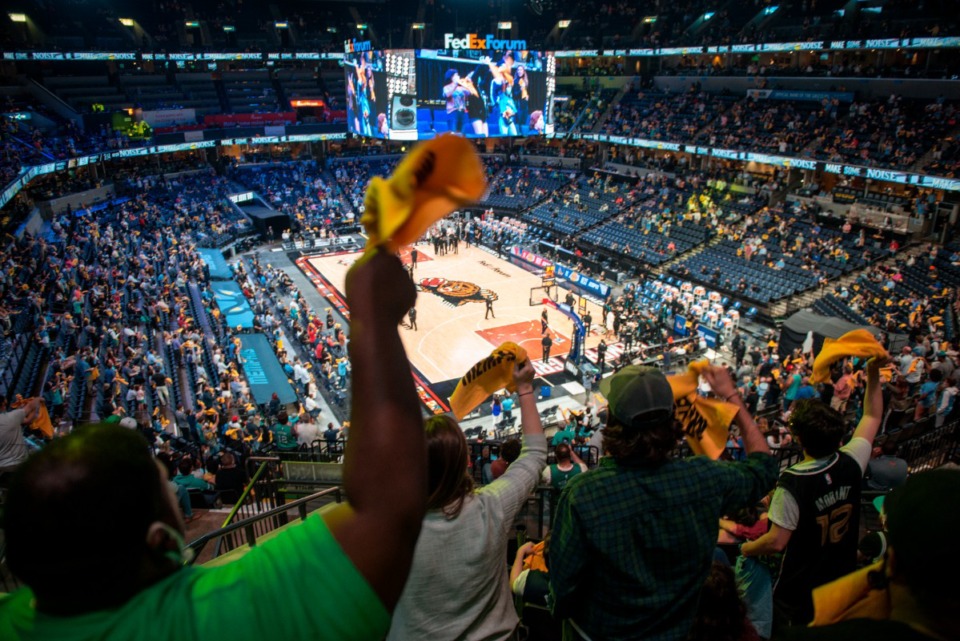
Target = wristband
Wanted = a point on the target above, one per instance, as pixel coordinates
(525, 393)
(727, 399)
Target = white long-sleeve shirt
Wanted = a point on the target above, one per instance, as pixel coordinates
(458, 586)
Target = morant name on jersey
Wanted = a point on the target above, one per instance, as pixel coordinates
(835, 496)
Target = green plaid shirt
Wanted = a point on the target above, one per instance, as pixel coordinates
(631, 546)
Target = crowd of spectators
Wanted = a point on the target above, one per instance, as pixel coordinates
(778, 252)
(837, 66)
(514, 187)
(124, 329)
(662, 116)
(915, 293)
(121, 306)
(109, 298)
(891, 133)
(353, 175)
(583, 203)
(945, 159)
(310, 196)
(314, 354)
(771, 125)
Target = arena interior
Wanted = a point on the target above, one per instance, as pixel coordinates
(754, 199)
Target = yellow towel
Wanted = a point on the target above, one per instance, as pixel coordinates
(433, 180)
(859, 342)
(493, 373)
(705, 421)
(536, 561)
(42, 422)
(850, 597)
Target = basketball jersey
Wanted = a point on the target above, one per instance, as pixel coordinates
(559, 478)
(824, 545)
(284, 436)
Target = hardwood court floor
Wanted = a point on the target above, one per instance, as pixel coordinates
(452, 332)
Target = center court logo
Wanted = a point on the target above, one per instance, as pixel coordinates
(456, 292)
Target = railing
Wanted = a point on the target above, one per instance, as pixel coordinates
(924, 448)
(246, 494)
(245, 532)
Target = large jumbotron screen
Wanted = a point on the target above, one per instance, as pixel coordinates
(416, 95)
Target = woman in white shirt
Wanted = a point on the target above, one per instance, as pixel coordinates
(458, 587)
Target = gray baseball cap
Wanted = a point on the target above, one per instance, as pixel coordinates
(637, 395)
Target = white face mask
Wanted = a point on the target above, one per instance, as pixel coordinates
(183, 555)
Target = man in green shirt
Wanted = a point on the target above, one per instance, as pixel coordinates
(186, 479)
(284, 433)
(568, 465)
(633, 539)
(120, 573)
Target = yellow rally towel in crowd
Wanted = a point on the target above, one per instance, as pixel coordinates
(536, 560)
(859, 342)
(705, 421)
(493, 373)
(433, 180)
(850, 597)
(42, 422)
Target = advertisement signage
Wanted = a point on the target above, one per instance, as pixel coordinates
(598, 289)
(586, 283)
(680, 325)
(169, 117)
(530, 257)
(474, 41)
(356, 46)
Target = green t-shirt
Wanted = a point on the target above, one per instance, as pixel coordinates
(191, 482)
(284, 435)
(559, 478)
(297, 585)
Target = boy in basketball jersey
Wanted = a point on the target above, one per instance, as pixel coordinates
(815, 511)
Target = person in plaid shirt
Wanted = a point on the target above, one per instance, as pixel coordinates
(633, 539)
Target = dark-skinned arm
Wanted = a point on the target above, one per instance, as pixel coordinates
(379, 529)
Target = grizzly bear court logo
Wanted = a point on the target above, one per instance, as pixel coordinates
(456, 292)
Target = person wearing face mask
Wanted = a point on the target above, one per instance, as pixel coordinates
(93, 530)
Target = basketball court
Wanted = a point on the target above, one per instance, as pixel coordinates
(452, 329)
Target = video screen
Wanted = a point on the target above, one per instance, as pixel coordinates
(380, 89)
(482, 94)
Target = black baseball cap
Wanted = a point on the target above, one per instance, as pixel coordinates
(637, 395)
